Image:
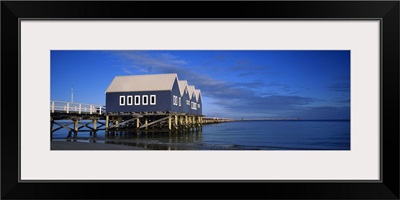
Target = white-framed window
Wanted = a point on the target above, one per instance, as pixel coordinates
(188, 102)
(175, 100)
(193, 106)
(180, 101)
(152, 99)
(137, 100)
(198, 105)
(129, 100)
(145, 100)
(121, 100)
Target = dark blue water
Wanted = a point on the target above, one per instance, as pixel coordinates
(241, 135)
(281, 134)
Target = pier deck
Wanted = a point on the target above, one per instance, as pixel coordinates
(75, 113)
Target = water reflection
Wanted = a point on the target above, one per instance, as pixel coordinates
(171, 140)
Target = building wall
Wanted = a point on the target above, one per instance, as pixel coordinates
(163, 102)
(193, 100)
(185, 107)
(200, 110)
(175, 92)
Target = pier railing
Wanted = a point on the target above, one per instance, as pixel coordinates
(73, 107)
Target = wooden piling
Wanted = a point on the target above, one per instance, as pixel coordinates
(107, 122)
(76, 121)
(119, 119)
(176, 121)
(169, 122)
(95, 124)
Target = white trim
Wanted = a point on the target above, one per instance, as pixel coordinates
(180, 101)
(137, 103)
(145, 99)
(175, 100)
(153, 103)
(193, 106)
(198, 105)
(123, 99)
(127, 100)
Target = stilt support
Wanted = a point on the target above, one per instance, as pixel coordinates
(169, 123)
(107, 122)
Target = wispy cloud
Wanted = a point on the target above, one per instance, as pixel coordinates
(343, 101)
(233, 98)
(245, 65)
(126, 70)
(142, 60)
(246, 74)
(340, 87)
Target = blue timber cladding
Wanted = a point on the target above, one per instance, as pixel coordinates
(200, 110)
(193, 100)
(163, 102)
(185, 98)
(175, 92)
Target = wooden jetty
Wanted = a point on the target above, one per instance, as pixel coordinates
(214, 120)
(76, 113)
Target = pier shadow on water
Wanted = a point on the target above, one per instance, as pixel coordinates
(162, 140)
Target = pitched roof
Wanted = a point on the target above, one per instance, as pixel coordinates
(197, 94)
(182, 85)
(138, 83)
(190, 90)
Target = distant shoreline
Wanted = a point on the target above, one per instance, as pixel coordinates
(218, 120)
(292, 120)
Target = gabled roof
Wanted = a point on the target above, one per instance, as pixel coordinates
(197, 94)
(191, 90)
(139, 83)
(182, 86)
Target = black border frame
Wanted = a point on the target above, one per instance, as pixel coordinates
(386, 11)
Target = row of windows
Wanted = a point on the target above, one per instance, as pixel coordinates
(144, 99)
(194, 105)
(176, 100)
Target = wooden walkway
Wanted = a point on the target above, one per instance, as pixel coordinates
(75, 108)
(76, 113)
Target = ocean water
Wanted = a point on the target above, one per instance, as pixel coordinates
(240, 135)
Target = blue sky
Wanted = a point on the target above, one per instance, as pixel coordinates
(234, 84)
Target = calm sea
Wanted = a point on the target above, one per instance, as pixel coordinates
(241, 135)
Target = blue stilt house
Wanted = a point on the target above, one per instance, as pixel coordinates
(152, 93)
(143, 93)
